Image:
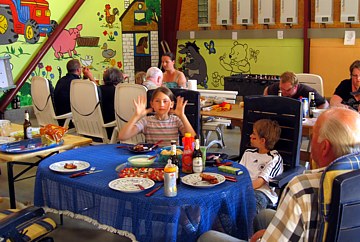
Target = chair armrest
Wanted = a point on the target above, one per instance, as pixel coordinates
(10, 222)
(64, 116)
(110, 124)
(281, 180)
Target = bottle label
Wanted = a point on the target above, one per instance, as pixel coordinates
(197, 165)
(170, 189)
(29, 132)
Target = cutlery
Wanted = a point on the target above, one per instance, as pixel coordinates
(140, 186)
(230, 178)
(152, 157)
(155, 145)
(149, 194)
(83, 173)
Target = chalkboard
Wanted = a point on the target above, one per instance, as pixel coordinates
(6, 78)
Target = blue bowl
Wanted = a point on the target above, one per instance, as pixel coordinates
(164, 153)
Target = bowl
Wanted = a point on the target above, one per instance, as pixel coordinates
(164, 153)
(317, 112)
(141, 160)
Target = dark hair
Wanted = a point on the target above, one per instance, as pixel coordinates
(169, 54)
(164, 90)
(113, 76)
(269, 130)
(355, 64)
(73, 65)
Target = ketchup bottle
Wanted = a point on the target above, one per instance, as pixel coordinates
(188, 143)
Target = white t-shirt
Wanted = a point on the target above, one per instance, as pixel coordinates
(266, 166)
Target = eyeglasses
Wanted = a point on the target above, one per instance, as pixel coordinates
(288, 90)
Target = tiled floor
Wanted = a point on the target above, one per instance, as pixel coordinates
(82, 231)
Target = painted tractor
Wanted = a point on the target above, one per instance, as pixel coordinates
(30, 18)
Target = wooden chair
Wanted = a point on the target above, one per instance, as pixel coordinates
(288, 113)
(339, 198)
(86, 110)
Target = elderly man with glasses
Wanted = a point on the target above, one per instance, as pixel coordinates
(347, 94)
(290, 87)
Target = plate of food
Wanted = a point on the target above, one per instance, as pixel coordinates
(203, 180)
(155, 174)
(68, 166)
(142, 148)
(131, 184)
(27, 145)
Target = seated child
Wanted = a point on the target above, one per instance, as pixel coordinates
(263, 163)
(161, 126)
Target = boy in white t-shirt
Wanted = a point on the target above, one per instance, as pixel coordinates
(262, 162)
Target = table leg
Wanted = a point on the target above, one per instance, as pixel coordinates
(11, 184)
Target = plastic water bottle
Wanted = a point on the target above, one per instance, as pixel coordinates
(170, 188)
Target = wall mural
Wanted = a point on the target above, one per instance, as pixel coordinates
(193, 64)
(96, 35)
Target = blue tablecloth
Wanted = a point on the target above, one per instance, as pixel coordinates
(228, 207)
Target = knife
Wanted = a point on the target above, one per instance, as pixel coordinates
(83, 173)
(149, 194)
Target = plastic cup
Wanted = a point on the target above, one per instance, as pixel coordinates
(203, 152)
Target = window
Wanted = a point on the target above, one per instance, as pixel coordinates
(204, 13)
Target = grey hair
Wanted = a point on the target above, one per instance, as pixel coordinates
(153, 72)
(342, 133)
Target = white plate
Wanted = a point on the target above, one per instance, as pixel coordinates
(5, 140)
(196, 181)
(59, 166)
(128, 184)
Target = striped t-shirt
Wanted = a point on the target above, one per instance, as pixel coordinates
(156, 130)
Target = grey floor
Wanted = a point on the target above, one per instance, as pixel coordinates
(80, 231)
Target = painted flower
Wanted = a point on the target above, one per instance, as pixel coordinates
(40, 65)
(116, 33)
(105, 33)
(52, 76)
(48, 68)
(98, 13)
(119, 64)
(32, 73)
(43, 73)
(113, 62)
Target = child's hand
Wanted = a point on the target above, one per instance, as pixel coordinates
(180, 106)
(140, 107)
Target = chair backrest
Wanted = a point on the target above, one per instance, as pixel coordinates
(125, 93)
(312, 80)
(42, 101)
(192, 109)
(86, 109)
(287, 112)
(339, 198)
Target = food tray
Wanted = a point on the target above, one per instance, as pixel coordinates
(28, 145)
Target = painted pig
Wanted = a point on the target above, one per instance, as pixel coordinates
(66, 41)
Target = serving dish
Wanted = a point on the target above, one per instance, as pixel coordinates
(141, 160)
(27, 145)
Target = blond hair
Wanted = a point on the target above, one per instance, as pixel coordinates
(289, 76)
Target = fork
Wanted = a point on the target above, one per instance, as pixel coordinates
(83, 173)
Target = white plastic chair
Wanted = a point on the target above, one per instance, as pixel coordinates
(125, 93)
(86, 110)
(312, 80)
(43, 104)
